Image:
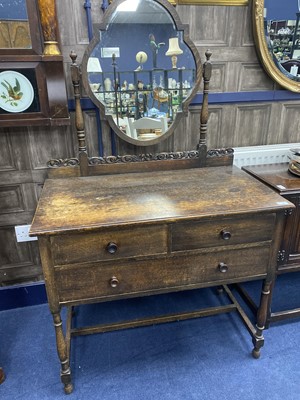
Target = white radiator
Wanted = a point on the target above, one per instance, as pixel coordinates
(268, 154)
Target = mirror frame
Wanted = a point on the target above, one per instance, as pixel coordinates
(185, 104)
(263, 51)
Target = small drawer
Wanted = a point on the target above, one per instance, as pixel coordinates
(125, 279)
(109, 245)
(222, 232)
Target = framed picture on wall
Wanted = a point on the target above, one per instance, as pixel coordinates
(18, 91)
(32, 82)
(25, 96)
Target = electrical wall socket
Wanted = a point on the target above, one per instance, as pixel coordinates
(22, 233)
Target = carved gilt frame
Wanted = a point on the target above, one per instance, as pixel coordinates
(263, 51)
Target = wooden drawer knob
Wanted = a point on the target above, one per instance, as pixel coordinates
(226, 235)
(112, 248)
(223, 267)
(114, 281)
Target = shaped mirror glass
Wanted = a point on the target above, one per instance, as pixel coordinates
(277, 36)
(141, 69)
(14, 25)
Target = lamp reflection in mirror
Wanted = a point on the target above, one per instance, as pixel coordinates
(93, 66)
(141, 57)
(128, 5)
(173, 51)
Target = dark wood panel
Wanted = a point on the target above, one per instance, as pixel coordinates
(11, 199)
(19, 262)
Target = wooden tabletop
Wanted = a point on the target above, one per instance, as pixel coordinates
(277, 176)
(113, 200)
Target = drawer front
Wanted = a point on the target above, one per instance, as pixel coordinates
(109, 245)
(222, 232)
(107, 280)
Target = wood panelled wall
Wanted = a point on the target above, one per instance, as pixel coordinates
(25, 151)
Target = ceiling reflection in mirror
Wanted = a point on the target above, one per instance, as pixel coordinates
(14, 25)
(282, 27)
(141, 70)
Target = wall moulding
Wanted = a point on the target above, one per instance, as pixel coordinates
(211, 2)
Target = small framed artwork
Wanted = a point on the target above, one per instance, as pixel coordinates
(18, 91)
(22, 86)
(26, 96)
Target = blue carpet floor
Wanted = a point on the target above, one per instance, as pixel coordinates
(207, 358)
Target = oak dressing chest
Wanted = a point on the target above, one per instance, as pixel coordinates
(120, 226)
(117, 236)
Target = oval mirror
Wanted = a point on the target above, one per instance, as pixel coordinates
(141, 69)
(277, 35)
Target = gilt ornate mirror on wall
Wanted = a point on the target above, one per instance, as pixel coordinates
(141, 70)
(277, 35)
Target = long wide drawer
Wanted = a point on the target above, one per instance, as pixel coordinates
(106, 280)
(221, 232)
(109, 245)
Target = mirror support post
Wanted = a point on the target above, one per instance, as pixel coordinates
(207, 68)
(79, 122)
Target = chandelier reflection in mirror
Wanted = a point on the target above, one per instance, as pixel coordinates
(142, 70)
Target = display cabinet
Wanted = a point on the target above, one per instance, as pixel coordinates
(281, 36)
(144, 93)
(296, 39)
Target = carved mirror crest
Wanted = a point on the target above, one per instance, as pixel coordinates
(277, 35)
(141, 70)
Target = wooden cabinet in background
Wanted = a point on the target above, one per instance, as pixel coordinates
(287, 185)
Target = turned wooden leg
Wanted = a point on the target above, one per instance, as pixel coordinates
(269, 311)
(2, 376)
(258, 339)
(65, 373)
